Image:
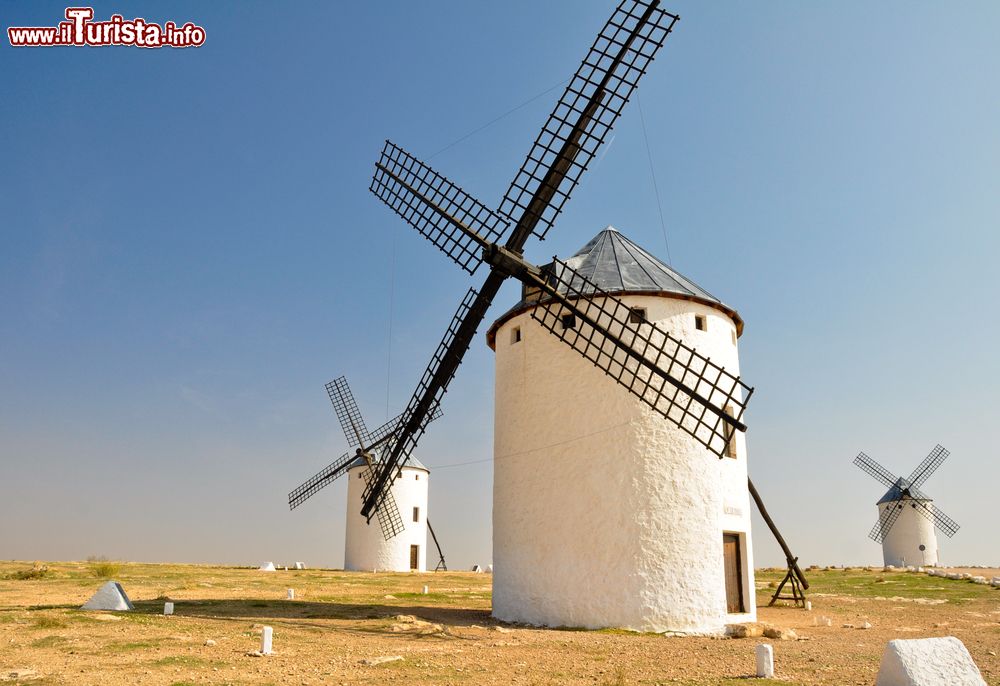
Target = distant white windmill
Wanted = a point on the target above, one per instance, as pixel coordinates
(906, 516)
(368, 548)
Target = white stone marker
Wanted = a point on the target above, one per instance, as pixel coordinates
(110, 596)
(928, 662)
(809, 606)
(300, 565)
(265, 640)
(168, 608)
(425, 590)
(765, 661)
(291, 594)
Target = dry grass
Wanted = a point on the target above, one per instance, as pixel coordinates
(340, 619)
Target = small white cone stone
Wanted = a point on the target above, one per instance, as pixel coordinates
(291, 594)
(265, 640)
(168, 608)
(765, 661)
(809, 606)
(425, 590)
(267, 567)
(110, 596)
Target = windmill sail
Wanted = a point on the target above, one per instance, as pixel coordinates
(885, 521)
(675, 380)
(948, 526)
(427, 397)
(468, 233)
(353, 424)
(320, 480)
(905, 492)
(586, 112)
(874, 469)
(348, 413)
(447, 216)
(928, 466)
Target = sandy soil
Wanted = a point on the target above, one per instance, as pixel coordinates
(339, 620)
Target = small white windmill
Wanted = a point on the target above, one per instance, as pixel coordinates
(368, 548)
(906, 516)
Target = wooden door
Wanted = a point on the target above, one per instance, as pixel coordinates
(734, 572)
(414, 556)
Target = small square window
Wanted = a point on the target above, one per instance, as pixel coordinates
(359, 475)
(700, 323)
(568, 321)
(637, 315)
(416, 514)
(416, 477)
(515, 335)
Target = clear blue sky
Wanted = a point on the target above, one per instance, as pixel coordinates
(188, 252)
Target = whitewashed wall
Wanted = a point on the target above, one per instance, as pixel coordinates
(604, 513)
(901, 547)
(365, 548)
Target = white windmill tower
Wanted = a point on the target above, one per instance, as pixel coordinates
(649, 529)
(605, 514)
(906, 516)
(365, 548)
(368, 548)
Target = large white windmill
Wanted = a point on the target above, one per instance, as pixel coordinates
(906, 516)
(605, 514)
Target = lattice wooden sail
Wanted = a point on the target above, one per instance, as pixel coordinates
(596, 96)
(684, 386)
(368, 444)
(905, 493)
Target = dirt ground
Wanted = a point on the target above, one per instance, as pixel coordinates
(339, 620)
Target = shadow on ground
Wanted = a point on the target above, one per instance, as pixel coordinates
(300, 610)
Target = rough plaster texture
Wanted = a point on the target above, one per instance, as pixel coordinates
(110, 596)
(901, 546)
(365, 548)
(928, 662)
(604, 513)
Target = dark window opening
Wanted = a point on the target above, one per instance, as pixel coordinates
(699, 322)
(515, 335)
(416, 514)
(637, 315)
(568, 321)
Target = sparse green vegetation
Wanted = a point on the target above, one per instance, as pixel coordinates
(46, 622)
(103, 568)
(36, 571)
(49, 641)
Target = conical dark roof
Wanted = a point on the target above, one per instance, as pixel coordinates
(616, 265)
(902, 489)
